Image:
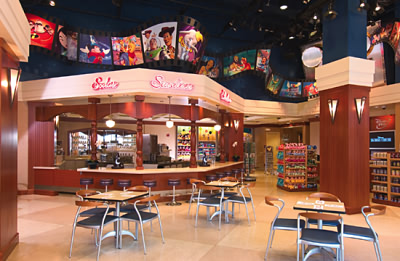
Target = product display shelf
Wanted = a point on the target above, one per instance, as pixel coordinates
(297, 168)
(385, 178)
(206, 147)
(79, 143)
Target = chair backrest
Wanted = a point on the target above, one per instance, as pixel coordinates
(270, 201)
(140, 188)
(233, 179)
(374, 211)
(80, 203)
(205, 187)
(324, 196)
(145, 200)
(84, 193)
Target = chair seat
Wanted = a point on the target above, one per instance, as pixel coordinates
(239, 199)
(95, 221)
(358, 232)
(131, 208)
(95, 211)
(211, 201)
(320, 236)
(288, 224)
(144, 215)
(324, 223)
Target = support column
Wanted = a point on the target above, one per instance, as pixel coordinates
(93, 135)
(222, 137)
(139, 144)
(194, 115)
(344, 144)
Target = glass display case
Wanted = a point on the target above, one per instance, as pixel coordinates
(207, 142)
(183, 143)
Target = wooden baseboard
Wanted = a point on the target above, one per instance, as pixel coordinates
(7, 249)
(297, 190)
(26, 192)
(46, 192)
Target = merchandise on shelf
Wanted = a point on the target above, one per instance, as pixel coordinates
(183, 143)
(249, 156)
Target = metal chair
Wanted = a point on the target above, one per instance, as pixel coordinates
(229, 193)
(193, 196)
(209, 202)
(326, 197)
(242, 199)
(96, 222)
(141, 217)
(128, 208)
(365, 233)
(280, 223)
(319, 237)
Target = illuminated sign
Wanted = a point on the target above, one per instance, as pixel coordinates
(380, 123)
(160, 83)
(99, 84)
(224, 96)
(381, 140)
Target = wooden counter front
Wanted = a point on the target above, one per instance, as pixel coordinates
(56, 179)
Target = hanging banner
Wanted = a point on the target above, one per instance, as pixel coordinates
(42, 31)
(158, 42)
(127, 51)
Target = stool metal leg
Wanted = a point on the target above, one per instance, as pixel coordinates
(106, 189)
(173, 203)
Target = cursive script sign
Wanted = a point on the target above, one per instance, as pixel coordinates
(386, 122)
(160, 83)
(224, 96)
(100, 84)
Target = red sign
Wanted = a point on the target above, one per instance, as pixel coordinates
(224, 96)
(382, 123)
(99, 84)
(161, 83)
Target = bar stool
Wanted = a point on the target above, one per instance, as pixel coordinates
(150, 183)
(106, 183)
(220, 175)
(86, 182)
(173, 183)
(211, 177)
(228, 173)
(236, 172)
(123, 183)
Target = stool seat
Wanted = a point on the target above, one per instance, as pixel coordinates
(211, 177)
(124, 183)
(86, 181)
(174, 182)
(228, 173)
(106, 182)
(236, 171)
(220, 175)
(188, 181)
(151, 183)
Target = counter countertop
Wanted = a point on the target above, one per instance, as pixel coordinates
(41, 167)
(160, 171)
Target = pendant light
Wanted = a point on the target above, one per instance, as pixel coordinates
(169, 123)
(110, 123)
(217, 127)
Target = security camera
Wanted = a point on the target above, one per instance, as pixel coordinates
(384, 107)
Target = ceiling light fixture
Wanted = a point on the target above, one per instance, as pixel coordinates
(268, 3)
(52, 3)
(378, 7)
(362, 3)
(331, 14)
(110, 123)
(234, 28)
(315, 17)
(333, 104)
(217, 127)
(283, 4)
(291, 37)
(169, 123)
(360, 102)
(230, 23)
(259, 28)
(260, 8)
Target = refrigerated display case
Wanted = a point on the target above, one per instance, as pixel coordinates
(207, 142)
(183, 143)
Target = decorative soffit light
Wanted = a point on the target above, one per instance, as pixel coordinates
(333, 104)
(169, 123)
(217, 127)
(110, 122)
(360, 102)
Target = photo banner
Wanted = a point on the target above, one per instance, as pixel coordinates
(66, 43)
(42, 31)
(274, 84)
(94, 49)
(239, 62)
(210, 66)
(310, 89)
(127, 51)
(262, 63)
(291, 89)
(159, 42)
(190, 44)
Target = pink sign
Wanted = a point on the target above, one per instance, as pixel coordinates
(99, 84)
(224, 96)
(161, 83)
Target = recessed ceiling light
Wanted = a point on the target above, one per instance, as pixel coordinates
(52, 3)
(291, 37)
(283, 4)
(315, 17)
(377, 7)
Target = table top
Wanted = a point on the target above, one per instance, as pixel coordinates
(224, 184)
(320, 206)
(117, 195)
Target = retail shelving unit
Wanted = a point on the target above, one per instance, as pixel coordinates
(79, 143)
(297, 168)
(385, 178)
(183, 143)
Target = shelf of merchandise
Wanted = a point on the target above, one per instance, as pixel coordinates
(385, 178)
(183, 143)
(297, 168)
(206, 146)
(79, 143)
(249, 154)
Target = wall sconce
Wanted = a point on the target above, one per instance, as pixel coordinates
(332, 108)
(13, 76)
(236, 124)
(360, 102)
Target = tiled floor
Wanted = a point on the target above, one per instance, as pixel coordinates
(45, 225)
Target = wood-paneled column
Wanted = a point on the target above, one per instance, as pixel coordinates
(140, 106)
(344, 143)
(222, 137)
(193, 132)
(93, 117)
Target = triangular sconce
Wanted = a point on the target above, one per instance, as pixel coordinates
(13, 76)
(360, 102)
(332, 108)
